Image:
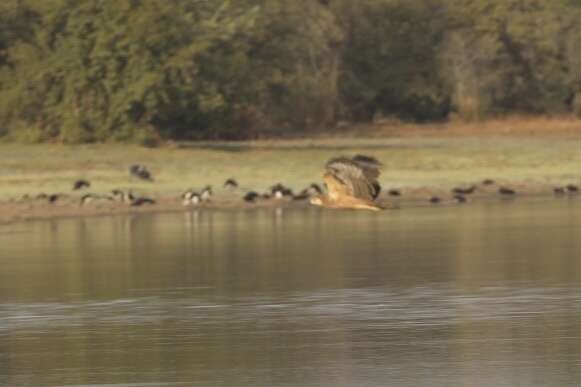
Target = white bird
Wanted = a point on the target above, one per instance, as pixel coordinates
(191, 198)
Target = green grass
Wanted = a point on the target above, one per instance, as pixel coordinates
(409, 162)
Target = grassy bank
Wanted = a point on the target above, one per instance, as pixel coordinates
(410, 162)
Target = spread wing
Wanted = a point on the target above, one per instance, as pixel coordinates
(356, 177)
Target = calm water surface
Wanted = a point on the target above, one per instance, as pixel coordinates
(481, 295)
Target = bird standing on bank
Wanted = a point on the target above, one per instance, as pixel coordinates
(231, 184)
(206, 193)
(141, 172)
(80, 184)
(190, 198)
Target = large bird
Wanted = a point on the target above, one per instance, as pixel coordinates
(351, 183)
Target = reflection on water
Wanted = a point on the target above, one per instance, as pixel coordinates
(480, 295)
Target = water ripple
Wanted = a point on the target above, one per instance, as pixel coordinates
(421, 306)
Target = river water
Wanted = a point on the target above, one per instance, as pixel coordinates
(478, 295)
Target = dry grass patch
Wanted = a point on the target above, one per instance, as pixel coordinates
(437, 162)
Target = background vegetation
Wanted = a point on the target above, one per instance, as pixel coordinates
(79, 71)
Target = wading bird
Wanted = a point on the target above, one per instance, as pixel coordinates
(231, 184)
(314, 189)
(435, 200)
(91, 198)
(191, 198)
(122, 196)
(206, 193)
(351, 183)
(506, 191)
(279, 191)
(251, 197)
(464, 191)
(140, 201)
(53, 198)
(80, 184)
(140, 171)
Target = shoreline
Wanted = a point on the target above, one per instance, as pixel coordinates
(13, 211)
(418, 164)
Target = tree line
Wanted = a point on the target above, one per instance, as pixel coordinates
(79, 71)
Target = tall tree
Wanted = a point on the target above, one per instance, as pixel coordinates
(116, 69)
(509, 56)
(390, 63)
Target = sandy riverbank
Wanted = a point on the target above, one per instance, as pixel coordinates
(531, 157)
(35, 209)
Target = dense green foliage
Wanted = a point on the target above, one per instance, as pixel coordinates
(141, 70)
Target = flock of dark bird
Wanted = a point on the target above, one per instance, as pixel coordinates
(349, 183)
(277, 191)
(189, 197)
(116, 195)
